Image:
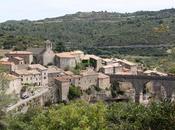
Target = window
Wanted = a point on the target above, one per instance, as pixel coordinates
(44, 77)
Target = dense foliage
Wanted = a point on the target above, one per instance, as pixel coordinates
(4, 99)
(89, 31)
(102, 33)
(74, 92)
(83, 116)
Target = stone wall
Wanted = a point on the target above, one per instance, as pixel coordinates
(64, 63)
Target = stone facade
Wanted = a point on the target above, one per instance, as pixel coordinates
(103, 81)
(33, 74)
(65, 62)
(88, 79)
(25, 55)
(17, 60)
(8, 66)
(54, 72)
(63, 84)
(14, 84)
(131, 67)
(112, 69)
(43, 56)
(68, 59)
(95, 62)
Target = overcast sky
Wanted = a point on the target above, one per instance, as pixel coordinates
(39, 9)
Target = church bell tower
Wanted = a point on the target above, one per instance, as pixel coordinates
(48, 45)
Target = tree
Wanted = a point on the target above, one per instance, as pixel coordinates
(80, 115)
(60, 47)
(74, 92)
(4, 99)
(77, 115)
(131, 116)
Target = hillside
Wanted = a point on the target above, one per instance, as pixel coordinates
(91, 30)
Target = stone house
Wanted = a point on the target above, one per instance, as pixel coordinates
(130, 66)
(87, 79)
(54, 72)
(43, 56)
(32, 74)
(95, 62)
(43, 71)
(66, 60)
(20, 56)
(62, 86)
(13, 84)
(8, 66)
(79, 55)
(114, 68)
(103, 81)
(106, 61)
(17, 60)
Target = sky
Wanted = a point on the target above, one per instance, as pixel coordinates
(40, 9)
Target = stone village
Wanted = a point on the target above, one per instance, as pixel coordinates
(39, 75)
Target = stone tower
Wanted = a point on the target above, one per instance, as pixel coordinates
(48, 45)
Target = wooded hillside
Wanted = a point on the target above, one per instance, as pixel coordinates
(92, 30)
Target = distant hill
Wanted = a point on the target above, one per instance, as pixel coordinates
(92, 30)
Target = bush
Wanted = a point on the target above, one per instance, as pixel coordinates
(74, 92)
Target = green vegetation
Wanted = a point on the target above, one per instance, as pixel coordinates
(59, 47)
(94, 32)
(89, 31)
(79, 67)
(157, 116)
(83, 116)
(74, 92)
(4, 99)
(18, 42)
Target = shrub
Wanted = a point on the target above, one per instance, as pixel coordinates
(74, 92)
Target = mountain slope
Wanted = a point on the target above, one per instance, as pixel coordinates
(93, 30)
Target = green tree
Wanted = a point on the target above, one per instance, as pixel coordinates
(4, 99)
(74, 92)
(77, 115)
(60, 47)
